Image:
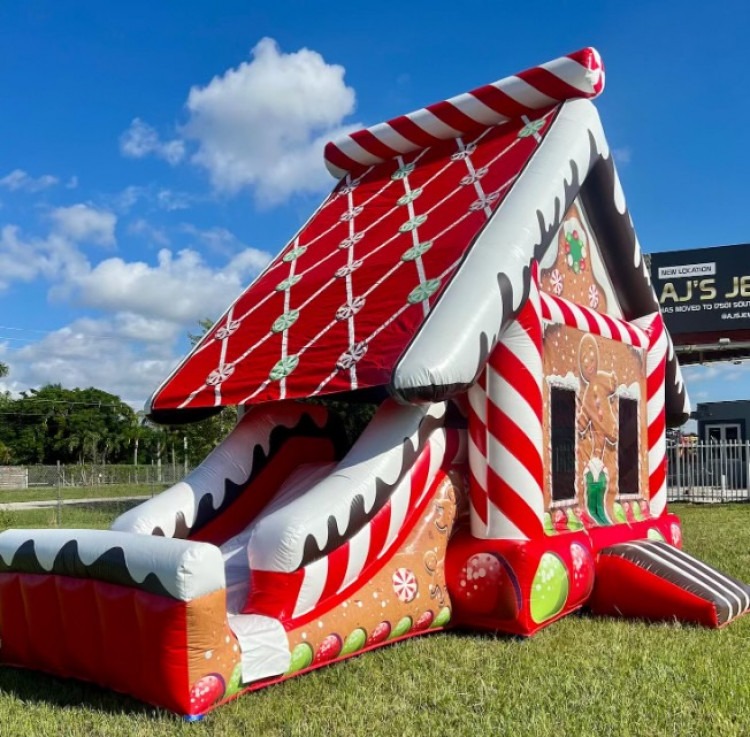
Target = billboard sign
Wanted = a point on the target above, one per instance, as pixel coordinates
(703, 290)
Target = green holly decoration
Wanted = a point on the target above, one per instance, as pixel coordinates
(424, 291)
(285, 321)
(282, 286)
(531, 128)
(283, 368)
(416, 251)
(409, 197)
(415, 222)
(294, 254)
(576, 251)
(403, 172)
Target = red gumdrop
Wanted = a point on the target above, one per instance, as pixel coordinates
(205, 693)
(424, 621)
(379, 634)
(329, 649)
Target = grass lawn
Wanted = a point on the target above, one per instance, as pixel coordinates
(581, 676)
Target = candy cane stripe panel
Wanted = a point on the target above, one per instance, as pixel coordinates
(478, 456)
(312, 586)
(561, 311)
(653, 326)
(580, 74)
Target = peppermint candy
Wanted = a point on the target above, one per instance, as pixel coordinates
(405, 585)
(483, 201)
(226, 330)
(351, 213)
(220, 375)
(557, 282)
(345, 271)
(350, 308)
(465, 153)
(351, 241)
(354, 355)
(593, 297)
(474, 177)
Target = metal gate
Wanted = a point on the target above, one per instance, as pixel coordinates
(708, 472)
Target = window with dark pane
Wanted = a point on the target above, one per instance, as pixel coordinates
(627, 448)
(563, 430)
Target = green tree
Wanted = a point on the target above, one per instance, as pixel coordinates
(70, 425)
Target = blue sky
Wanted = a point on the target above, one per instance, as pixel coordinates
(150, 165)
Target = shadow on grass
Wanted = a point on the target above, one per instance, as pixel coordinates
(42, 688)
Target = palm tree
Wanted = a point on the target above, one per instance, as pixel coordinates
(3, 369)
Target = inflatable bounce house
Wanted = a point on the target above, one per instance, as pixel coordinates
(476, 275)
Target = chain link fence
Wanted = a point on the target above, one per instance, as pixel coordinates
(36, 479)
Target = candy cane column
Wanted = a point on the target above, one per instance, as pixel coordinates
(656, 362)
(505, 432)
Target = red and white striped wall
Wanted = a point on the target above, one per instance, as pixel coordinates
(505, 432)
(656, 363)
(580, 74)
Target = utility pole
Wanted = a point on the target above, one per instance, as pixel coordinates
(185, 453)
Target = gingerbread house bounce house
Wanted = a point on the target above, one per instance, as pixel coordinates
(475, 273)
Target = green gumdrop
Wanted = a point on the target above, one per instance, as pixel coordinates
(235, 680)
(443, 617)
(637, 513)
(548, 528)
(573, 522)
(620, 515)
(549, 589)
(302, 657)
(403, 626)
(654, 534)
(355, 641)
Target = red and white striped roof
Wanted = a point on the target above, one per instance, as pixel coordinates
(335, 310)
(580, 74)
(342, 302)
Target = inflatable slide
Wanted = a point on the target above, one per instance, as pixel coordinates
(476, 275)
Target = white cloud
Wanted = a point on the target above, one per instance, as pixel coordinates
(181, 287)
(85, 224)
(157, 198)
(23, 259)
(19, 180)
(140, 140)
(126, 355)
(143, 228)
(167, 199)
(263, 124)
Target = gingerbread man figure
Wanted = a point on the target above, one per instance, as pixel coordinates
(595, 414)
